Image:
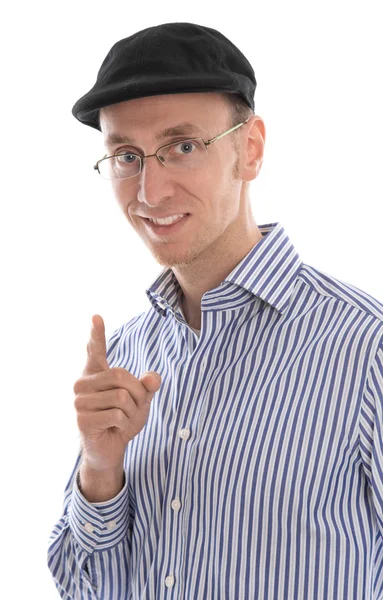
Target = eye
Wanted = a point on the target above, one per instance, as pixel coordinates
(125, 156)
(185, 144)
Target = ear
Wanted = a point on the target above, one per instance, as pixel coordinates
(254, 148)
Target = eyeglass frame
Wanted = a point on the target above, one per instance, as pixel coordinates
(207, 143)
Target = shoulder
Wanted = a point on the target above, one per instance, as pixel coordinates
(327, 285)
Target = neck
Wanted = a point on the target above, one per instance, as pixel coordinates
(208, 270)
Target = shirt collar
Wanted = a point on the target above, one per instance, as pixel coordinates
(268, 271)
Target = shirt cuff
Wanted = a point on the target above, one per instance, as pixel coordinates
(98, 525)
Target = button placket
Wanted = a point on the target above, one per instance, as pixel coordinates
(184, 434)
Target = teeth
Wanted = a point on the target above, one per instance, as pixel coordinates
(167, 220)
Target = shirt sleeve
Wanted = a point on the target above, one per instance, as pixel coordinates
(90, 545)
(371, 435)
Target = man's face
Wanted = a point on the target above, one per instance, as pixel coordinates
(211, 193)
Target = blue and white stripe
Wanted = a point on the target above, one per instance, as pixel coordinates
(259, 474)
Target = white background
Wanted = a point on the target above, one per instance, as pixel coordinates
(69, 253)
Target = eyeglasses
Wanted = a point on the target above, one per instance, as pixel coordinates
(127, 164)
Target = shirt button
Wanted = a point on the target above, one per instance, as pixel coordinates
(176, 504)
(111, 525)
(184, 433)
(89, 527)
(169, 581)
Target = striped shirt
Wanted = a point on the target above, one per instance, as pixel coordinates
(259, 473)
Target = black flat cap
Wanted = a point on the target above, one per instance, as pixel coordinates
(171, 58)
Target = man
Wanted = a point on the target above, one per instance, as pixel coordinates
(252, 467)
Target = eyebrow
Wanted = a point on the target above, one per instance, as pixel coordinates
(184, 128)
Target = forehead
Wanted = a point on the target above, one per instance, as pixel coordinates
(162, 116)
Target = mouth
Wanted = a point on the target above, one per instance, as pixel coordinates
(166, 229)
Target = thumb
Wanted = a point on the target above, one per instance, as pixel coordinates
(96, 348)
(151, 380)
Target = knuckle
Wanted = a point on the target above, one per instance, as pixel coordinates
(78, 402)
(122, 395)
(77, 385)
(119, 374)
(119, 415)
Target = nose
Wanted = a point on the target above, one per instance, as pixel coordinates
(154, 182)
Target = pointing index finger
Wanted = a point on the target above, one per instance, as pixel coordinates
(96, 348)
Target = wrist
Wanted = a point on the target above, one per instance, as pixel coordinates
(100, 486)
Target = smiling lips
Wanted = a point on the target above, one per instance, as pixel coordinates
(167, 228)
(167, 220)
